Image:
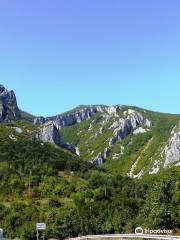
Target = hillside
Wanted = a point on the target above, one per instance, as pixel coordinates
(95, 169)
(122, 139)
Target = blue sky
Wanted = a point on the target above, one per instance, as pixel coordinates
(58, 54)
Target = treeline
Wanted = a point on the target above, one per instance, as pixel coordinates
(41, 183)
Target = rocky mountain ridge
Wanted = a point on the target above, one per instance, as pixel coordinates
(8, 105)
(172, 149)
(121, 127)
(123, 139)
(76, 116)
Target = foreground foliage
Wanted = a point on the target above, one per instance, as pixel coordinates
(43, 183)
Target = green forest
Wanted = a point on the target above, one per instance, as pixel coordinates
(43, 183)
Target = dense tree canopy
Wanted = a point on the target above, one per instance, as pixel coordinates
(43, 183)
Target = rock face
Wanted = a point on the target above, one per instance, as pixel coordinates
(121, 132)
(77, 116)
(17, 129)
(148, 123)
(130, 122)
(71, 148)
(8, 105)
(70, 118)
(125, 126)
(135, 118)
(122, 127)
(112, 124)
(139, 130)
(172, 150)
(39, 120)
(49, 133)
(113, 109)
(98, 160)
(106, 152)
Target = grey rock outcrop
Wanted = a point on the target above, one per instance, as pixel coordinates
(77, 116)
(71, 148)
(131, 122)
(121, 132)
(113, 109)
(49, 133)
(121, 127)
(18, 130)
(39, 120)
(71, 118)
(8, 105)
(140, 130)
(135, 118)
(172, 150)
(106, 152)
(148, 123)
(98, 160)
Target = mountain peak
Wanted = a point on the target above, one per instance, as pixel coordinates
(8, 105)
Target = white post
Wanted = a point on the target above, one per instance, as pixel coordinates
(37, 235)
(1, 233)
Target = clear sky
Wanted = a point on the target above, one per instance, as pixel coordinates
(57, 54)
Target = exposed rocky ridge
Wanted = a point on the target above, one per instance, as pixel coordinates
(77, 116)
(68, 119)
(8, 105)
(104, 133)
(122, 128)
(172, 149)
(132, 121)
(121, 122)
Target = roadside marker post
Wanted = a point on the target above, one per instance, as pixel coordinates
(40, 227)
(1, 233)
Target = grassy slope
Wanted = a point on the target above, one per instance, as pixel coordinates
(90, 146)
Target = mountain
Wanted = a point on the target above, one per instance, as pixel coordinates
(95, 169)
(123, 139)
(8, 105)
